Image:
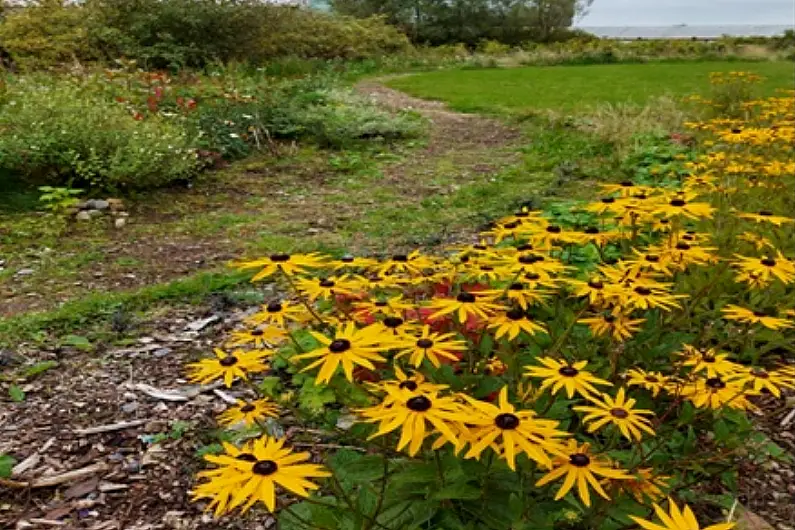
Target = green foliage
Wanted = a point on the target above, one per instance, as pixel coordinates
(7, 463)
(66, 134)
(58, 201)
(16, 394)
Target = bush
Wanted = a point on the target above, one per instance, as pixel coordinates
(65, 133)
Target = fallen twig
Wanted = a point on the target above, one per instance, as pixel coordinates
(110, 427)
(788, 418)
(54, 480)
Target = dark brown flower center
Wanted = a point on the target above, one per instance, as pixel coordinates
(529, 259)
(608, 200)
(596, 284)
(643, 291)
(678, 203)
(515, 314)
(327, 283)
(246, 457)
(516, 287)
(479, 247)
(532, 276)
(591, 230)
(652, 258)
(609, 318)
(761, 374)
(766, 213)
(525, 247)
(265, 468)
(507, 421)
(418, 404)
(651, 379)
(510, 226)
(339, 345)
(554, 229)
(486, 268)
(521, 214)
(400, 258)
(664, 221)
(465, 298)
(627, 183)
(689, 237)
(768, 262)
(229, 360)
(408, 385)
(579, 460)
(393, 322)
(716, 383)
(736, 130)
(568, 371)
(682, 246)
(274, 307)
(424, 343)
(347, 259)
(280, 258)
(380, 303)
(619, 413)
(257, 333)
(247, 408)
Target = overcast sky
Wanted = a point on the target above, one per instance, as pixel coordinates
(692, 12)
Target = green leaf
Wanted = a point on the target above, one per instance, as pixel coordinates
(7, 463)
(76, 341)
(39, 368)
(722, 431)
(16, 394)
(459, 491)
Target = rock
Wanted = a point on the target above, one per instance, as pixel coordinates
(129, 408)
(94, 213)
(83, 216)
(25, 272)
(9, 358)
(313, 231)
(161, 352)
(120, 222)
(116, 205)
(199, 325)
(96, 204)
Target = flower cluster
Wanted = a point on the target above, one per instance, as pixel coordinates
(573, 351)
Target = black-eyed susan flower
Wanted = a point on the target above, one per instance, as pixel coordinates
(431, 346)
(582, 468)
(353, 262)
(228, 366)
(681, 253)
(760, 242)
(747, 316)
(655, 382)
(286, 263)
(758, 380)
(249, 412)
(598, 237)
(415, 382)
(464, 305)
(616, 324)
(532, 262)
(279, 313)
(250, 474)
(511, 432)
(259, 337)
(417, 414)
(513, 322)
(708, 360)
(645, 484)
(618, 411)
(522, 293)
(766, 216)
(682, 204)
(595, 289)
(413, 263)
(562, 375)
(625, 188)
(649, 260)
(325, 288)
(350, 347)
(643, 297)
(392, 306)
(716, 393)
(677, 519)
(759, 272)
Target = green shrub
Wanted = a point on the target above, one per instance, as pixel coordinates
(64, 133)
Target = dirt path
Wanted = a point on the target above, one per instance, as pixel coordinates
(176, 232)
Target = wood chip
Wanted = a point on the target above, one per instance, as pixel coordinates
(26, 465)
(47, 522)
(108, 487)
(81, 489)
(788, 418)
(54, 480)
(111, 427)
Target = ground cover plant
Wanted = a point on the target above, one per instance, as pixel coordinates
(577, 87)
(588, 366)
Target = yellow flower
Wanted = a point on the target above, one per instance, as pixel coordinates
(594, 289)
(652, 381)
(758, 272)
(248, 412)
(645, 485)
(649, 261)
(349, 347)
(716, 393)
(393, 306)
(286, 263)
(677, 520)
(579, 466)
(599, 238)
(616, 324)
(463, 305)
(249, 475)
(643, 297)
(511, 432)
(715, 364)
(259, 337)
(228, 366)
(279, 313)
(512, 322)
(766, 216)
(353, 262)
(758, 380)
(747, 316)
(431, 346)
(571, 377)
(619, 412)
(414, 383)
(758, 241)
(413, 263)
(524, 294)
(681, 204)
(409, 411)
(325, 288)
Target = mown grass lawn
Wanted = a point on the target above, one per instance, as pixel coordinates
(569, 88)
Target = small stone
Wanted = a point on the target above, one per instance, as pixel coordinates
(83, 216)
(199, 325)
(129, 408)
(116, 205)
(161, 352)
(146, 340)
(120, 222)
(313, 231)
(25, 272)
